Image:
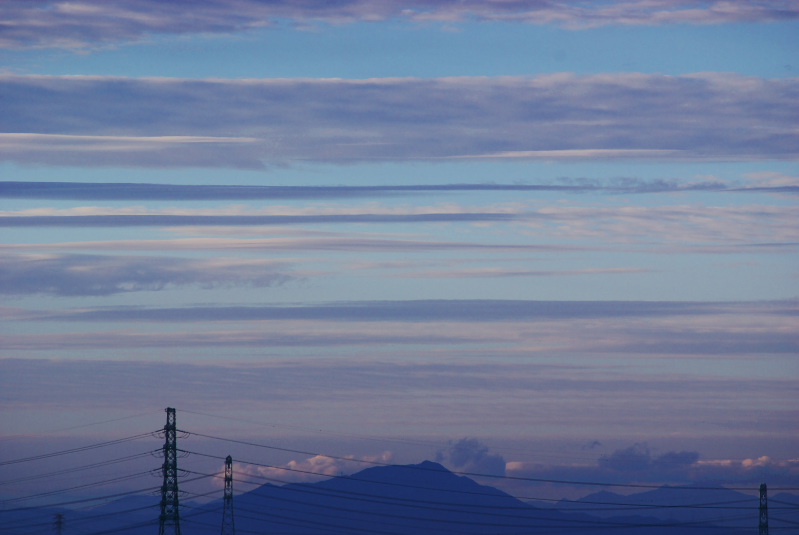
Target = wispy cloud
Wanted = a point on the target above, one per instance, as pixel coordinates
(244, 220)
(356, 243)
(551, 117)
(92, 191)
(93, 275)
(219, 338)
(431, 311)
(54, 23)
(500, 330)
(604, 223)
(109, 191)
(445, 397)
(490, 272)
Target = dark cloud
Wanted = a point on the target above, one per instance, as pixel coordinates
(632, 459)
(469, 455)
(50, 23)
(64, 120)
(676, 458)
(95, 275)
(638, 458)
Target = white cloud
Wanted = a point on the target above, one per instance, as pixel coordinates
(314, 468)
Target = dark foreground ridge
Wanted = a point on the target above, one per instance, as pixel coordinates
(418, 499)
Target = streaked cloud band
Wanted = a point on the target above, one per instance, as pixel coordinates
(549, 117)
(54, 23)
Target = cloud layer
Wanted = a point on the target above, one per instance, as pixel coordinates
(63, 120)
(102, 275)
(174, 192)
(54, 23)
(497, 329)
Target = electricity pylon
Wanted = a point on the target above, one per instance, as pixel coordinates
(228, 526)
(169, 521)
(763, 525)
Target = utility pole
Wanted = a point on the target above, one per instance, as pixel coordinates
(763, 526)
(228, 527)
(59, 523)
(170, 516)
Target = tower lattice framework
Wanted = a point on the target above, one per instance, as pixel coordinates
(169, 521)
(228, 526)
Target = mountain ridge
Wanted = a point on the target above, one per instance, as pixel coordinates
(421, 499)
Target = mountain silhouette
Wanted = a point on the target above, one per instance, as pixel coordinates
(670, 505)
(411, 499)
(421, 499)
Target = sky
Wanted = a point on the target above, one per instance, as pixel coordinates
(545, 239)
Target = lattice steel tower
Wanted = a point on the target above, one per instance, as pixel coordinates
(763, 525)
(170, 516)
(228, 527)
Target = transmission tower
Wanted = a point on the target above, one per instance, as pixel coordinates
(59, 523)
(228, 527)
(170, 516)
(763, 526)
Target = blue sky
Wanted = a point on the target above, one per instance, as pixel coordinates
(539, 225)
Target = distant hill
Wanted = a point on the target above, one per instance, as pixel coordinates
(419, 499)
(698, 505)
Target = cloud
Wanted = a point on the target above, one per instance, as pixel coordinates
(486, 329)
(469, 455)
(353, 243)
(243, 220)
(637, 458)
(505, 272)
(321, 337)
(166, 151)
(54, 23)
(94, 191)
(522, 338)
(551, 117)
(637, 463)
(316, 468)
(472, 310)
(695, 228)
(454, 396)
(671, 224)
(99, 275)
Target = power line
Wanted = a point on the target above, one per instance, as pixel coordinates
(376, 438)
(484, 512)
(476, 474)
(145, 490)
(77, 450)
(459, 508)
(76, 487)
(78, 468)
